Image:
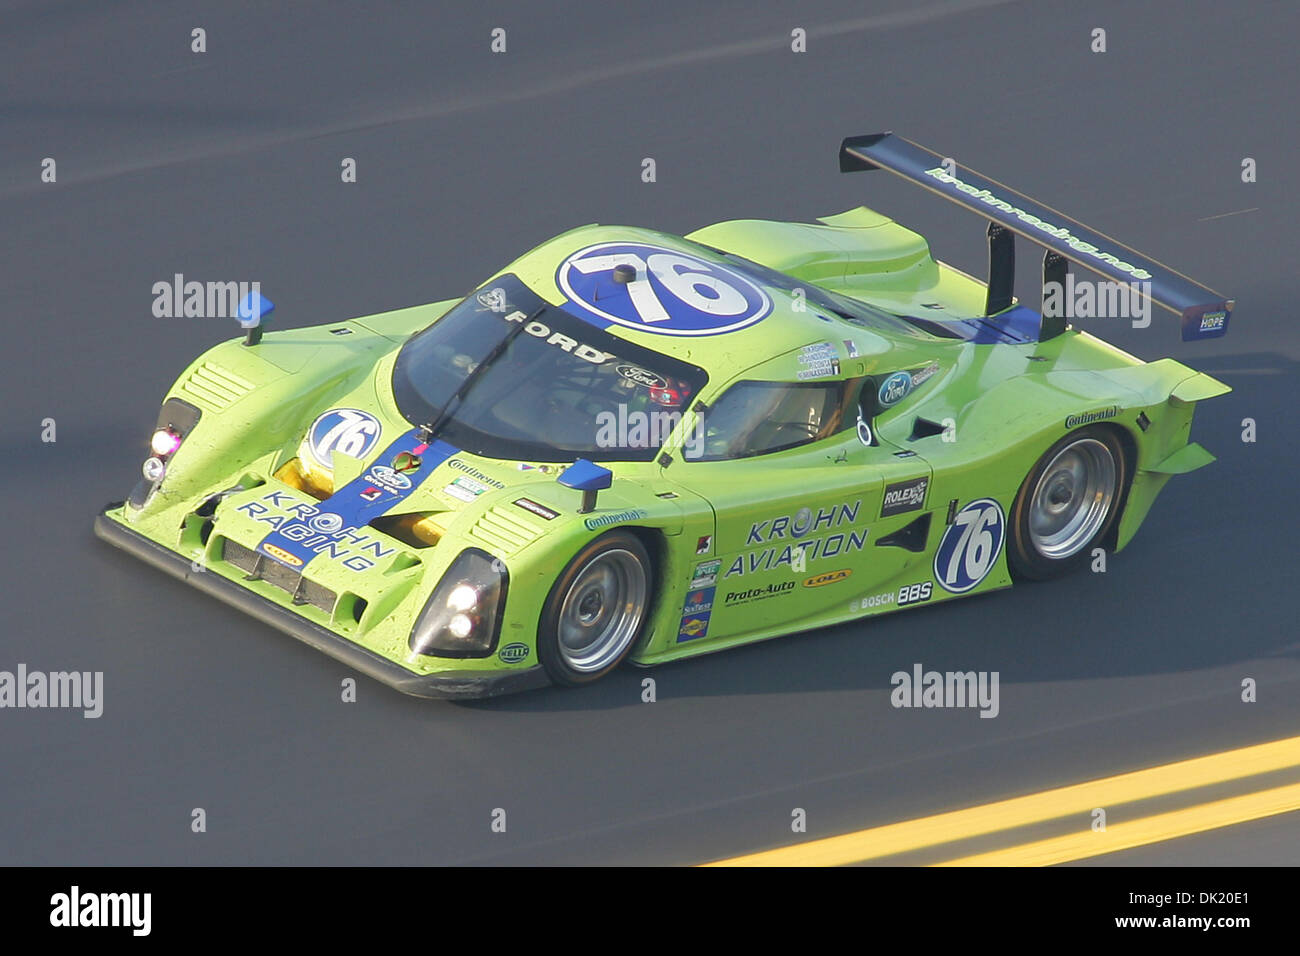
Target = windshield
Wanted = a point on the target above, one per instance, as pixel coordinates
(560, 390)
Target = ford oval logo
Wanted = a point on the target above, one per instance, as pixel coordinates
(895, 388)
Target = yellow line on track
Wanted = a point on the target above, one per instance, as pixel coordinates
(1153, 829)
(1079, 798)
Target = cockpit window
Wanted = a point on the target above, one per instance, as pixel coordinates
(757, 418)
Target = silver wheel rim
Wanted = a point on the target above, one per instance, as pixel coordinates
(602, 611)
(1072, 499)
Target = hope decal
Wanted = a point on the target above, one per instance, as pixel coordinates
(970, 546)
(659, 290)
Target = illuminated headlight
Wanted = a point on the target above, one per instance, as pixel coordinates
(463, 616)
(165, 441)
(153, 470)
(463, 597)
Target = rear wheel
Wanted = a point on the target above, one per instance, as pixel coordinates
(1069, 502)
(596, 610)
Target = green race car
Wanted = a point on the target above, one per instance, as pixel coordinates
(629, 445)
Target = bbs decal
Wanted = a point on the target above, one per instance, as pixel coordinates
(659, 290)
(970, 547)
(348, 431)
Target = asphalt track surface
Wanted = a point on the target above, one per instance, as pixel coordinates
(226, 165)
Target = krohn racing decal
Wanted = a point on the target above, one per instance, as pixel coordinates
(337, 526)
(798, 526)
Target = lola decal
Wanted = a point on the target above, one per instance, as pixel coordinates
(970, 547)
(659, 290)
(826, 577)
(282, 555)
(348, 431)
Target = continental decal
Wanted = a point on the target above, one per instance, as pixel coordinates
(1087, 418)
(827, 577)
(473, 472)
(617, 517)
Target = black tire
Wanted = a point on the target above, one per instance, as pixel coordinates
(584, 603)
(1035, 555)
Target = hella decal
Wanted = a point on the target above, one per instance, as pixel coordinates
(513, 653)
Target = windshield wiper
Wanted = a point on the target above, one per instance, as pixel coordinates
(430, 430)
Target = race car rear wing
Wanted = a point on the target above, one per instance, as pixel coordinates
(1204, 312)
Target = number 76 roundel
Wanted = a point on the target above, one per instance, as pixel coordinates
(670, 292)
(970, 547)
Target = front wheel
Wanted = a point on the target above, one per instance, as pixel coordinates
(1068, 503)
(596, 610)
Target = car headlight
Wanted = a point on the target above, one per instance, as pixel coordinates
(463, 616)
(176, 420)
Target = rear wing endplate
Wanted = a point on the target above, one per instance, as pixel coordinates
(1204, 312)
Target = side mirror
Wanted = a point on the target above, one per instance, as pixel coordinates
(589, 478)
(868, 406)
(252, 309)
